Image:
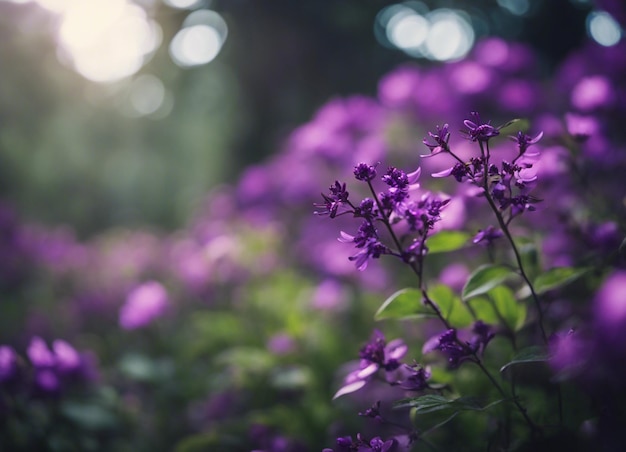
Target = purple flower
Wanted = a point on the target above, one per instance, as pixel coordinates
(481, 335)
(524, 141)
(373, 412)
(487, 236)
(376, 444)
(338, 196)
(67, 358)
(477, 131)
(366, 239)
(415, 379)
(440, 138)
(144, 304)
(375, 355)
(448, 343)
(364, 172)
(8, 364)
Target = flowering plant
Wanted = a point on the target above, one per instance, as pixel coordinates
(493, 328)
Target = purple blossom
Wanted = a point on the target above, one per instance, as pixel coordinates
(448, 344)
(337, 197)
(478, 131)
(440, 138)
(487, 236)
(415, 378)
(524, 141)
(377, 354)
(364, 172)
(373, 412)
(366, 239)
(144, 304)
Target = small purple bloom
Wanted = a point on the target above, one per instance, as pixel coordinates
(447, 343)
(524, 141)
(373, 412)
(440, 138)
(487, 236)
(477, 131)
(338, 196)
(364, 172)
(375, 355)
(144, 304)
(415, 379)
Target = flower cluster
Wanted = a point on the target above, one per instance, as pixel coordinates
(508, 185)
(388, 208)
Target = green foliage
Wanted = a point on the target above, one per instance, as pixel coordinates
(485, 278)
(404, 304)
(532, 354)
(499, 306)
(446, 241)
(451, 306)
(557, 277)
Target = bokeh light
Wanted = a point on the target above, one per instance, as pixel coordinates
(182, 4)
(147, 94)
(442, 34)
(450, 37)
(200, 39)
(603, 28)
(407, 29)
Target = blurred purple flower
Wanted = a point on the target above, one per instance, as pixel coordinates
(592, 93)
(581, 127)
(609, 306)
(8, 364)
(569, 354)
(376, 444)
(281, 344)
(144, 304)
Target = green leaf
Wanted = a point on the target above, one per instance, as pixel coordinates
(532, 354)
(432, 402)
(485, 278)
(445, 241)
(557, 277)
(512, 312)
(404, 304)
(451, 306)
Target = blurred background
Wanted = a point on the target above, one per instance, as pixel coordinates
(125, 113)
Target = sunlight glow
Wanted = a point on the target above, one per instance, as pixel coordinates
(103, 40)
